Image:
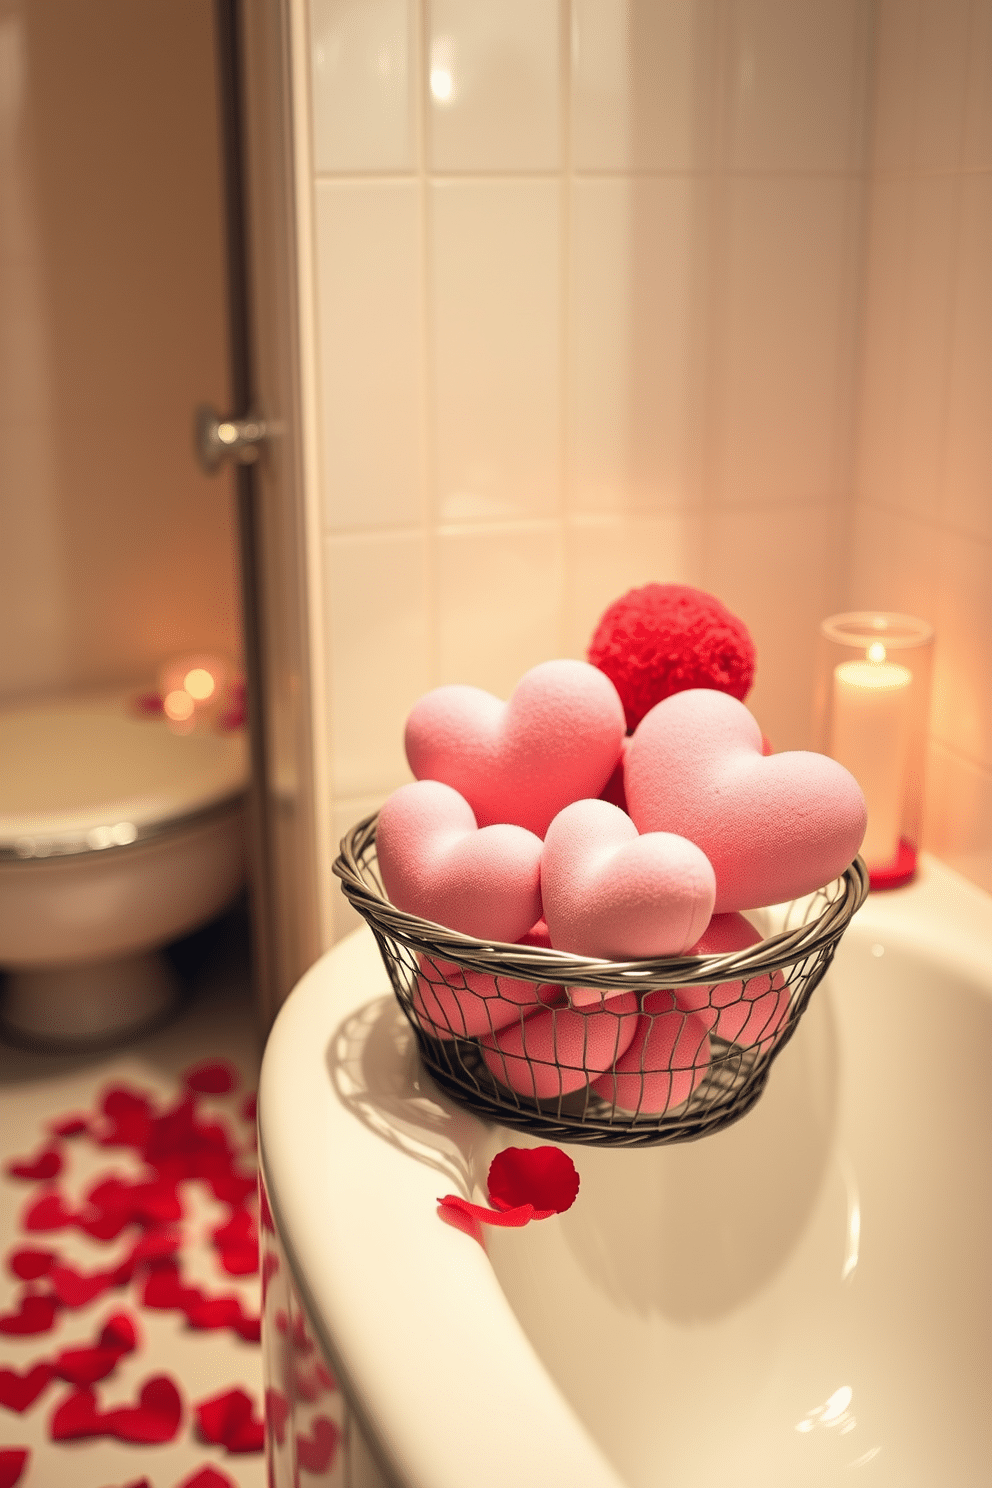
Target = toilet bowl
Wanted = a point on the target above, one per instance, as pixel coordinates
(117, 836)
(799, 1299)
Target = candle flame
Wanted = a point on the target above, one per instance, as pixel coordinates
(876, 651)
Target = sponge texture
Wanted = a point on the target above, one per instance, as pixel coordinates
(743, 1013)
(774, 827)
(452, 1001)
(556, 1052)
(436, 863)
(667, 1058)
(556, 740)
(665, 638)
(609, 892)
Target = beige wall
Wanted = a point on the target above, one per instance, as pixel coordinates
(115, 550)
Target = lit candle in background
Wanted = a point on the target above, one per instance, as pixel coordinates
(870, 737)
(192, 686)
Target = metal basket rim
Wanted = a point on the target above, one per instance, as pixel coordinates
(535, 963)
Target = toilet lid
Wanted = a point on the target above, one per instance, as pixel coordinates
(78, 774)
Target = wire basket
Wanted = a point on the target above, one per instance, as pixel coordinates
(607, 1053)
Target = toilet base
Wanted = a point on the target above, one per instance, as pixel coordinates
(66, 1008)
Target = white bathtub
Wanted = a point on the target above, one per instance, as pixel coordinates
(801, 1297)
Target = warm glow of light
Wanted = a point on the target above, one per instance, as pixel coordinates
(178, 705)
(876, 651)
(441, 84)
(837, 1404)
(199, 684)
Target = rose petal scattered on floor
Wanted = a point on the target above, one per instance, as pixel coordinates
(229, 1420)
(211, 1077)
(30, 1264)
(207, 1477)
(36, 1315)
(13, 1461)
(18, 1392)
(48, 1164)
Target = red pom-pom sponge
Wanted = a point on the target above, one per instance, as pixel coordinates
(665, 638)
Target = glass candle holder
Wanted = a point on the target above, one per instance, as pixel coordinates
(872, 710)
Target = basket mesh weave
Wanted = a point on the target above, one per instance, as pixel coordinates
(475, 1008)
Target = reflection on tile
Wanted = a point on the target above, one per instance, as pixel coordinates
(907, 327)
(788, 339)
(361, 53)
(499, 599)
(968, 457)
(797, 85)
(636, 340)
(369, 340)
(642, 75)
(957, 824)
(496, 294)
(378, 648)
(920, 67)
(493, 85)
(606, 556)
(779, 571)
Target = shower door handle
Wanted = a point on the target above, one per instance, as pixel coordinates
(238, 439)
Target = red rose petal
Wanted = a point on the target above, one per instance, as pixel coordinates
(502, 1218)
(84, 1366)
(229, 1419)
(543, 1176)
(163, 1290)
(75, 1288)
(315, 1453)
(249, 1328)
(119, 1334)
(36, 1315)
(50, 1212)
(129, 1116)
(69, 1126)
(249, 1107)
(155, 1418)
(18, 1391)
(214, 1312)
(30, 1264)
(207, 1477)
(276, 1414)
(211, 1077)
(13, 1461)
(76, 1417)
(48, 1164)
(239, 1260)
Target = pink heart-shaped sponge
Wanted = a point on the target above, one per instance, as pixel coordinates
(557, 740)
(774, 827)
(452, 1001)
(665, 1061)
(561, 1050)
(743, 1013)
(437, 864)
(609, 892)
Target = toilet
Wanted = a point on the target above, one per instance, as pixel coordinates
(117, 835)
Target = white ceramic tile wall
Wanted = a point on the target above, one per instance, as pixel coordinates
(599, 284)
(921, 538)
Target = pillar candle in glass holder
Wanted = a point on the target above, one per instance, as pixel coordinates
(870, 736)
